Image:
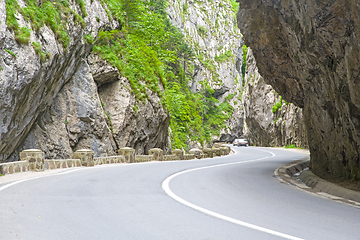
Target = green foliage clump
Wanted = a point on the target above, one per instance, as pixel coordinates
(11, 53)
(43, 55)
(54, 14)
(22, 35)
(277, 106)
(290, 146)
(234, 5)
(185, 7)
(230, 96)
(243, 67)
(89, 39)
(150, 52)
(201, 30)
(224, 57)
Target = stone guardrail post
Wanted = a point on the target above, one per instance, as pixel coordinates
(197, 152)
(208, 152)
(179, 153)
(128, 153)
(86, 157)
(217, 145)
(224, 151)
(217, 152)
(157, 153)
(35, 157)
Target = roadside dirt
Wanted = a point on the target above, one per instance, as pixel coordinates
(342, 182)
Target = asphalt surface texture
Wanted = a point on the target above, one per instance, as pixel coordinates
(230, 197)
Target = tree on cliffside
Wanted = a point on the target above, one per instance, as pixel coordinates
(132, 12)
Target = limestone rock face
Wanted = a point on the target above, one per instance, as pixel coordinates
(75, 120)
(102, 71)
(210, 28)
(140, 125)
(29, 87)
(262, 126)
(309, 51)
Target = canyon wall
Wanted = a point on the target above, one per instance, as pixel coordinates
(309, 52)
(268, 120)
(210, 29)
(70, 99)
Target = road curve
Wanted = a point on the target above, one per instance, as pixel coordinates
(232, 197)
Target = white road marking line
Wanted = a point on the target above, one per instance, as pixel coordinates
(166, 188)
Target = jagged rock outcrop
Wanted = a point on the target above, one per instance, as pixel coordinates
(28, 86)
(141, 125)
(309, 51)
(74, 121)
(54, 105)
(263, 127)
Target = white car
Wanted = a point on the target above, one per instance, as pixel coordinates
(241, 142)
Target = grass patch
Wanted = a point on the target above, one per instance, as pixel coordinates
(11, 53)
(292, 146)
(54, 14)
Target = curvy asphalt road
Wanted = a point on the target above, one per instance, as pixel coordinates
(232, 197)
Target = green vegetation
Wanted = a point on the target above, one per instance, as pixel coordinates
(224, 57)
(185, 7)
(23, 35)
(243, 67)
(201, 30)
(54, 14)
(277, 106)
(234, 5)
(43, 55)
(11, 53)
(110, 122)
(149, 51)
(292, 146)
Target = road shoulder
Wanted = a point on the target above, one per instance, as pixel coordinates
(297, 174)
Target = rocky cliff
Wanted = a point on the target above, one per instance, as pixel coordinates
(210, 29)
(269, 120)
(309, 51)
(57, 98)
(30, 82)
(60, 96)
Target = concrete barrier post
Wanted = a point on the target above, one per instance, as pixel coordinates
(86, 157)
(35, 157)
(128, 153)
(179, 153)
(157, 153)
